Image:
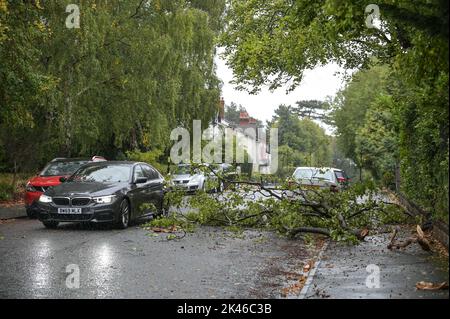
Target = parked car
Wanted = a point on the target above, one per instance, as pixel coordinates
(342, 178)
(321, 178)
(49, 176)
(193, 179)
(104, 192)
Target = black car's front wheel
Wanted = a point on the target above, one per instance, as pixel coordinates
(31, 213)
(124, 215)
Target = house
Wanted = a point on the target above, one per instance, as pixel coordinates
(249, 137)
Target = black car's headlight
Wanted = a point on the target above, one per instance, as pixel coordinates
(104, 199)
(45, 199)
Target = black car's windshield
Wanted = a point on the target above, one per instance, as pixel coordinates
(62, 168)
(102, 174)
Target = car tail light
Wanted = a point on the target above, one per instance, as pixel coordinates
(342, 179)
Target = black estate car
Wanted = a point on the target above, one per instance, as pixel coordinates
(112, 191)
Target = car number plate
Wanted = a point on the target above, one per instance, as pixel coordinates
(71, 210)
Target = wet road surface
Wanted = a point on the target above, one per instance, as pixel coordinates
(342, 272)
(132, 263)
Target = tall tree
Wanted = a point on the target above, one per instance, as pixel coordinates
(351, 104)
(232, 112)
(313, 110)
(22, 84)
(132, 72)
(301, 141)
(273, 42)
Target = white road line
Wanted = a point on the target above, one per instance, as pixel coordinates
(312, 272)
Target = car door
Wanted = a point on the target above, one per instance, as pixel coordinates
(139, 191)
(155, 185)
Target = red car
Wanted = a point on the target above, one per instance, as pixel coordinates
(50, 176)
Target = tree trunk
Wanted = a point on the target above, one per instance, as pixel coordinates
(397, 177)
(68, 116)
(14, 180)
(68, 127)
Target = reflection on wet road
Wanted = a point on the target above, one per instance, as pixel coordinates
(209, 263)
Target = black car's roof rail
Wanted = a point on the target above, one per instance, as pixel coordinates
(58, 159)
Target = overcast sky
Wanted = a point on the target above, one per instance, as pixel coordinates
(317, 84)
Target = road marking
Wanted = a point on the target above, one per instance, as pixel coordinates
(312, 272)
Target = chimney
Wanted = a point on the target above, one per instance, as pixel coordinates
(221, 115)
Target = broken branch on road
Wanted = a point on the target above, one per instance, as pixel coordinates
(289, 208)
(419, 238)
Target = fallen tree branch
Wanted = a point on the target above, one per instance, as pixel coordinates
(313, 230)
(301, 210)
(420, 239)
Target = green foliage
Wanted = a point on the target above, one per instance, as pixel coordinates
(366, 120)
(290, 208)
(301, 142)
(121, 82)
(351, 104)
(400, 123)
(272, 42)
(383, 119)
(22, 84)
(6, 191)
(150, 157)
(424, 144)
(313, 110)
(170, 221)
(376, 140)
(12, 186)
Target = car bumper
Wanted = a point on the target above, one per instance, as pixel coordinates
(91, 213)
(188, 187)
(33, 209)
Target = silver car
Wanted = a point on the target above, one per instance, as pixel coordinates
(192, 179)
(320, 177)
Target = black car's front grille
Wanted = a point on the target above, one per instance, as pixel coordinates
(76, 201)
(80, 201)
(71, 217)
(61, 201)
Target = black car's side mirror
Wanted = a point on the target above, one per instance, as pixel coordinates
(62, 179)
(140, 180)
